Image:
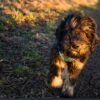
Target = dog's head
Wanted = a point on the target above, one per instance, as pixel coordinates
(76, 35)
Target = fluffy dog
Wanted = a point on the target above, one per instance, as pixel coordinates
(76, 39)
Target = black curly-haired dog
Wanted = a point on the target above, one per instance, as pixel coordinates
(76, 40)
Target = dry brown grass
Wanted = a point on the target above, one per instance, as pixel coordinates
(32, 10)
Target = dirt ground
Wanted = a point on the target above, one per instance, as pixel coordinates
(35, 84)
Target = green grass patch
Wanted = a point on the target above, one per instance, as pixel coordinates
(34, 55)
(50, 28)
(5, 22)
(22, 70)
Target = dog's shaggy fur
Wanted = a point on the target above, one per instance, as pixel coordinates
(76, 40)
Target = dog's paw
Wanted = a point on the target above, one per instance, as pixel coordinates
(56, 82)
(68, 91)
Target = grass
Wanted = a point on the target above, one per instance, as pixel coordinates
(26, 31)
(21, 70)
(34, 56)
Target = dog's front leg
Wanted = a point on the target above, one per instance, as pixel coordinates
(67, 88)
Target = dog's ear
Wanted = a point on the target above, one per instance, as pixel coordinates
(95, 41)
(60, 30)
(91, 31)
(69, 23)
